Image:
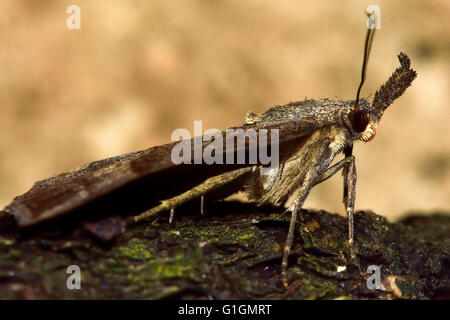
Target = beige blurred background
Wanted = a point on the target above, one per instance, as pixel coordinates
(137, 70)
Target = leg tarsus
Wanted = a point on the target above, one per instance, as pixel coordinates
(202, 205)
(287, 246)
(172, 215)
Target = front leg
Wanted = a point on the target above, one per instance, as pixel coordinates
(348, 151)
(350, 179)
(349, 172)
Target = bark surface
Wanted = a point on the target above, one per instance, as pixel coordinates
(234, 252)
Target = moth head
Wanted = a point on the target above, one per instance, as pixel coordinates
(361, 121)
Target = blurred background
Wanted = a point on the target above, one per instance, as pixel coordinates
(137, 70)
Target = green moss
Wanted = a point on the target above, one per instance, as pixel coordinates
(175, 232)
(177, 267)
(407, 288)
(239, 259)
(135, 249)
(319, 288)
(343, 298)
(172, 271)
(319, 265)
(6, 242)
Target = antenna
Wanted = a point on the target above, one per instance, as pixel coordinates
(367, 46)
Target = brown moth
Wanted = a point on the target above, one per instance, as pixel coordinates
(145, 183)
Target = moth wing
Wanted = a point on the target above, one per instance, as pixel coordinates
(136, 181)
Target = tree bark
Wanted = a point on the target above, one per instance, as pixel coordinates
(234, 252)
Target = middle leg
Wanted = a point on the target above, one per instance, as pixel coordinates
(322, 159)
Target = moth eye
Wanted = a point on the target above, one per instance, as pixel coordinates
(359, 120)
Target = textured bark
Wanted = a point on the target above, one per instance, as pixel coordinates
(233, 252)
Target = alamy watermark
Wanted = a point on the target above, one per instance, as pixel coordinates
(74, 280)
(374, 281)
(247, 143)
(374, 19)
(74, 20)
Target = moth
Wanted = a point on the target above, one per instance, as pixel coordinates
(146, 183)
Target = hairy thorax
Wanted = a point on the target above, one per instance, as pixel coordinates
(283, 181)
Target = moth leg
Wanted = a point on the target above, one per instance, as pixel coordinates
(299, 199)
(172, 215)
(348, 151)
(350, 203)
(328, 173)
(349, 172)
(207, 186)
(202, 205)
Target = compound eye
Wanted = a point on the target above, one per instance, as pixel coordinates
(359, 120)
